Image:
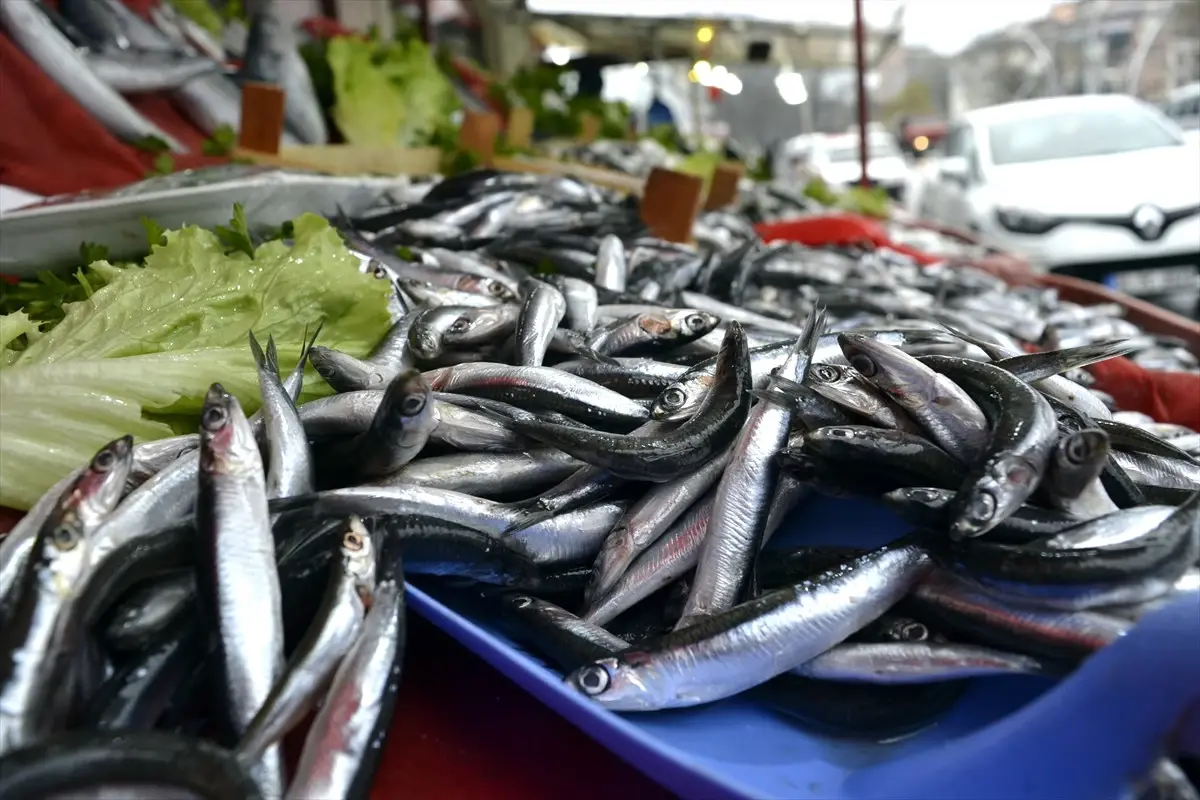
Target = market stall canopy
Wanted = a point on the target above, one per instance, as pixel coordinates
(801, 35)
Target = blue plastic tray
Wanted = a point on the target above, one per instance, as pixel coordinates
(1084, 738)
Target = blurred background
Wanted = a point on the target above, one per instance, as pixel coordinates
(779, 80)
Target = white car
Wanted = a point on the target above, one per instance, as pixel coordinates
(836, 160)
(1089, 184)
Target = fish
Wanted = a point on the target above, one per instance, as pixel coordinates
(58, 58)
(273, 56)
(402, 425)
(341, 750)
(674, 453)
(330, 636)
(239, 572)
(135, 764)
(289, 463)
(544, 307)
(743, 497)
(42, 625)
(763, 637)
(147, 71)
(948, 414)
(592, 441)
(915, 662)
(1023, 433)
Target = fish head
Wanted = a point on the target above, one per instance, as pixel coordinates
(615, 683)
(406, 402)
(488, 287)
(101, 485)
(227, 443)
(889, 368)
(358, 557)
(1081, 449)
(689, 324)
(828, 374)
(679, 401)
(1007, 481)
(425, 337)
(477, 325)
(342, 371)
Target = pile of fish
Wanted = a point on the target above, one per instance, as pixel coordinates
(589, 437)
(100, 50)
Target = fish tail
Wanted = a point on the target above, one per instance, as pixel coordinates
(1085, 355)
(271, 361)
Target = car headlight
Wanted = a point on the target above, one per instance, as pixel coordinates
(1021, 221)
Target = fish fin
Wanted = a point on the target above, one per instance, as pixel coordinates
(782, 384)
(773, 396)
(309, 343)
(810, 335)
(993, 351)
(300, 501)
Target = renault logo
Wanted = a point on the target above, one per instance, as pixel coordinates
(1148, 221)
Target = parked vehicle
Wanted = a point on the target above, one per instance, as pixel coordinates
(836, 161)
(1089, 185)
(1183, 106)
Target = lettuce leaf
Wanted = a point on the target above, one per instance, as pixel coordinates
(387, 93)
(146, 346)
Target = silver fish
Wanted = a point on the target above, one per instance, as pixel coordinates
(146, 71)
(289, 463)
(58, 58)
(42, 627)
(343, 743)
(330, 636)
(756, 641)
(235, 531)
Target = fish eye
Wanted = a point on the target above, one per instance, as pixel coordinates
(352, 542)
(103, 461)
(826, 373)
(214, 418)
(864, 365)
(673, 398)
(923, 495)
(841, 433)
(496, 289)
(982, 507)
(1077, 449)
(459, 325)
(522, 601)
(914, 632)
(696, 322)
(413, 404)
(593, 680)
(64, 537)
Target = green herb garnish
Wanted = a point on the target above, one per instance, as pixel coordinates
(221, 143)
(237, 236)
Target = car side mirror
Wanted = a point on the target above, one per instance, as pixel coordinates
(954, 169)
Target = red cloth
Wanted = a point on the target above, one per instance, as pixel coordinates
(1166, 396)
(50, 145)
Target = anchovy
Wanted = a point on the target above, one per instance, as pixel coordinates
(330, 636)
(744, 493)
(753, 642)
(239, 569)
(342, 748)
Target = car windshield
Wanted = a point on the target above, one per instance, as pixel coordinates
(878, 148)
(1077, 133)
